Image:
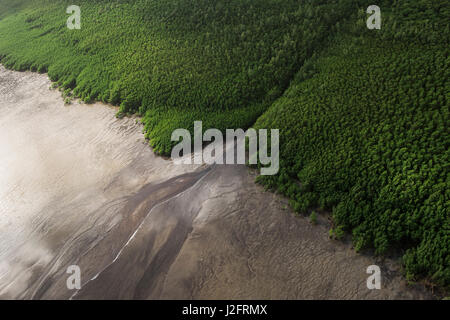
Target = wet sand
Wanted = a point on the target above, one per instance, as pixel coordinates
(80, 187)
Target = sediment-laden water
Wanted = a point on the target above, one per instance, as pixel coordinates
(80, 187)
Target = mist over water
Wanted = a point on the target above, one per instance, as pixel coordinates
(80, 187)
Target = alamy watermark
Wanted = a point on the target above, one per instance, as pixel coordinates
(374, 281)
(374, 21)
(73, 282)
(214, 153)
(74, 21)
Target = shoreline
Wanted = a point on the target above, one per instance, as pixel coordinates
(188, 233)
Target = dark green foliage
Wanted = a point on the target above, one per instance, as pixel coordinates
(364, 127)
(363, 114)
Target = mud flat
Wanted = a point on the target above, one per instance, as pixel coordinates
(80, 187)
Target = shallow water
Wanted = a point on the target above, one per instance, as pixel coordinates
(80, 187)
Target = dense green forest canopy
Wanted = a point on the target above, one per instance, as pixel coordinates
(175, 59)
(363, 114)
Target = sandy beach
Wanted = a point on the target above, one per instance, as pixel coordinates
(80, 187)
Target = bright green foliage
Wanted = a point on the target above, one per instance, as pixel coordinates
(363, 114)
(337, 233)
(220, 61)
(313, 217)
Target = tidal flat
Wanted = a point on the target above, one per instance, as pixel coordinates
(80, 187)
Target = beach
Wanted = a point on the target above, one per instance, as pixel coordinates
(80, 187)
